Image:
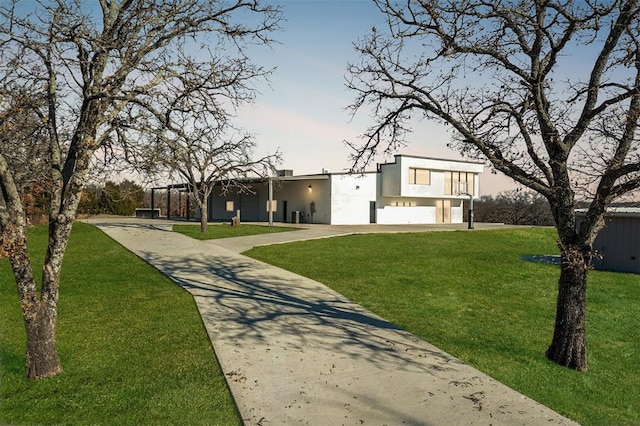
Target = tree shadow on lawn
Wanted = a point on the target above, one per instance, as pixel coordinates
(131, 224)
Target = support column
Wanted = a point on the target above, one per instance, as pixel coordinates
(470, 218)
(188, 206)
(168, 202)
(270, 202)
(153, 194)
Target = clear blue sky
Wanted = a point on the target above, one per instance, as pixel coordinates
(303, 111)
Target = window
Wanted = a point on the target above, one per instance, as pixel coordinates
(419, 176)
(229, 206)
(403, 204)
(452, 181)
(274, 205)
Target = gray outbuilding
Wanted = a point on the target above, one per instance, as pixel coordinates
(618, 243)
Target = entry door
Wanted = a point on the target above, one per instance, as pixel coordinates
(284, 211)
(443, 211)
(372, 212)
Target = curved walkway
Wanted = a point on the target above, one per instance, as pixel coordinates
(296, 352)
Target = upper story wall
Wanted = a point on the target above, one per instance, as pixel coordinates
(422, 177)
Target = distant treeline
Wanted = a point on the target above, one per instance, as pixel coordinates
(120, 199)
(515, 207)
(113, 198)
(522, 207)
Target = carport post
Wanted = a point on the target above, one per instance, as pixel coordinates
(270, 202)
(153, 193)
(470, 211)
(470, 226)
(188, 205)
(168, 202)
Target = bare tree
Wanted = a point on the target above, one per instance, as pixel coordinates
(501, 75)
(189, 133)
(92, 61)
(208, 155)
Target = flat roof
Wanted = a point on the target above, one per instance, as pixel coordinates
(438, 159)
(301, 177)
(617, 211)
(623, 211)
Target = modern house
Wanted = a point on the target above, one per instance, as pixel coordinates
(410, 190)
(618, 243)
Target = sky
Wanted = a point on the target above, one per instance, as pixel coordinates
(302, 112)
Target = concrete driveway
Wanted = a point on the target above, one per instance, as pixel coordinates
(296, 352)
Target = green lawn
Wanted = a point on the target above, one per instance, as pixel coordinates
(471, 294)
(224, 230)
(135, 352)
(132, 345)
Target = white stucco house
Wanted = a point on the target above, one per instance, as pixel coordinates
(409, 190)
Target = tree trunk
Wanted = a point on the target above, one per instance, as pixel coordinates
(204, 216)
(39, 314)
(42, 355)
(39, 317)
(568, 347)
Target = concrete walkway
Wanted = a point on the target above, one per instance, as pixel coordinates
(296, 352)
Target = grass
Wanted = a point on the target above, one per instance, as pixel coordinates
(132, 345)
(224, 230)
(470, 294)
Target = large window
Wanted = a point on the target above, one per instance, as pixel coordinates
(457, 182)
(419, 176)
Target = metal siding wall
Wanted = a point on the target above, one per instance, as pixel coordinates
(217, 205)
(630, 238)
(249, 207)
(619, 242)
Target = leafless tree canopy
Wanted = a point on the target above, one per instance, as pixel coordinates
(203, 148)
(547, 91)
(21, 135)
(523, 84)
(185, 128)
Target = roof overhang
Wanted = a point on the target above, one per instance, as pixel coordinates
(615, 212)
